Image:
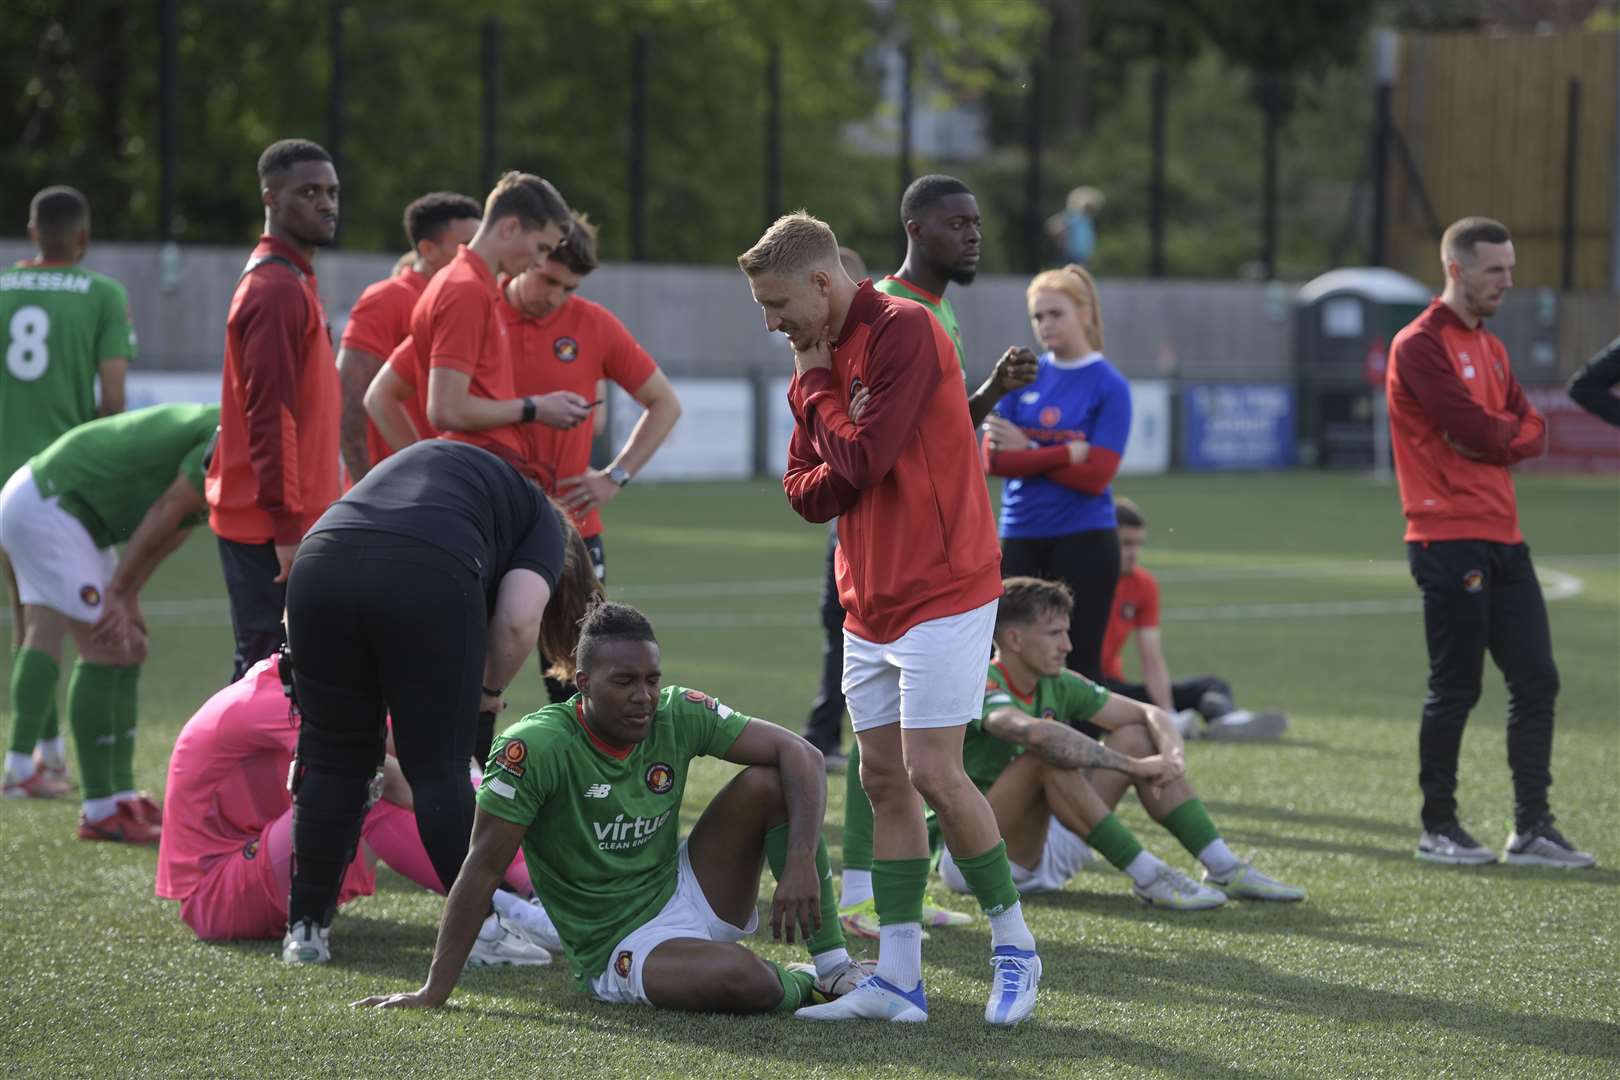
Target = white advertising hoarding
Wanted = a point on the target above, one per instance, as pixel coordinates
(713, 439)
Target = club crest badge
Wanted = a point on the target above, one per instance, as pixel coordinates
(660, 778)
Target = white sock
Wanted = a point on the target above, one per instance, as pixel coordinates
(97, 809)
(20, 767)
(1144, 868)
(1009, 928)
(491, 928)
(900, 954)
(831, 962)
(857, 887)
(53, 751)
(125, 796)
(1218, 859)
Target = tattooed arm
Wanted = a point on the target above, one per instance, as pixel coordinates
(1060, 745)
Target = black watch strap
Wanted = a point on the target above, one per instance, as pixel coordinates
(529, 410)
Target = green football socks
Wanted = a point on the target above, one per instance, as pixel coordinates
(831, 934)
(1114, 842)
(92, 709)
(33, 697)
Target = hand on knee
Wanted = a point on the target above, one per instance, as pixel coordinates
(1133, 740)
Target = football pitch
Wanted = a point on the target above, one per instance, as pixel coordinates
(1292, 586)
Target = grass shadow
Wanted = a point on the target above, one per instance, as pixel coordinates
(1348, 822)
(1156, 976)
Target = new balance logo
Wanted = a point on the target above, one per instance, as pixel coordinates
(598, 791)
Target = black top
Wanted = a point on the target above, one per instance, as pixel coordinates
(1591, 386)
(462, 499)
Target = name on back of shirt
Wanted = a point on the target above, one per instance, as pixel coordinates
(44, 281)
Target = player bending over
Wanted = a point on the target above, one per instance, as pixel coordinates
(1030, 701)
(226, 854)
(138, 477)
(592, 789)
(1202, 705)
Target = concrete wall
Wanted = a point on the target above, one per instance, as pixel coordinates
(701, 321)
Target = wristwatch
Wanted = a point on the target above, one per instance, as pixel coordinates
(529, 410)
(619, 475)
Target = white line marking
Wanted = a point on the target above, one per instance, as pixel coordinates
(1555, 584)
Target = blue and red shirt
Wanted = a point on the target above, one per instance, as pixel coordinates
(1070, 399)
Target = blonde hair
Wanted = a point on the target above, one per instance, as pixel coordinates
(796, 241)
(1076, 283)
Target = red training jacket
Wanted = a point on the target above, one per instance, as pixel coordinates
(275, 469)
(916, 539)
(1450, 386)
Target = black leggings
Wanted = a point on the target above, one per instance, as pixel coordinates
(380, 625)
(1088, 562)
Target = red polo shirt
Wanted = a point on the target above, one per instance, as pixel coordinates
(457, 325)
(573, 348)
(378, 322)
(1136, 607)
(916, 538)
(275, 469)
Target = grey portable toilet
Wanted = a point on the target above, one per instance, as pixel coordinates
(1345, 320)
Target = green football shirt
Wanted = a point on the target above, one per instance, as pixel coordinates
(940, 306)
(109, 472)
(1066, 697)
(57, 324)
(603, 836)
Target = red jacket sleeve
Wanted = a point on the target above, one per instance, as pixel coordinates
(272, 320)
(1092, 476)
(903, 369)
(1425, 371)
(1024, 462)
(815, 492)
(1531, 439)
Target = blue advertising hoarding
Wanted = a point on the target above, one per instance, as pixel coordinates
(1237, 426)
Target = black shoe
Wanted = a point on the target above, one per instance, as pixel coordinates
(835, 759)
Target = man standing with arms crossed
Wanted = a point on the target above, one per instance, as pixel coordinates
(62, 329)
(1458, 419)
(276, 468)
(920, 614)
(436, 225)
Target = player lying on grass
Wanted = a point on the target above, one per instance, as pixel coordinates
(134, 477)
(226, 853)
(1202, 705)
(592, 789)
(1030, 701)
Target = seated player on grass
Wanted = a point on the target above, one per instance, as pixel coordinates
(136, 477)
(1201, 705)
(1055, 799)
(226, 851)
(592, 789)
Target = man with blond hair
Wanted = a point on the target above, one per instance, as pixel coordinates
(920, 614)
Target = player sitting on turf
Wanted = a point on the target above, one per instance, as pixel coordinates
(1202, 705)
(137, 476)
(592, 788)
(1030, 702)
(226, 853)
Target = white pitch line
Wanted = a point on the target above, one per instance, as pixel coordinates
(1556, 585)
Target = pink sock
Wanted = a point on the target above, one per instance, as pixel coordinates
(390, 831)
